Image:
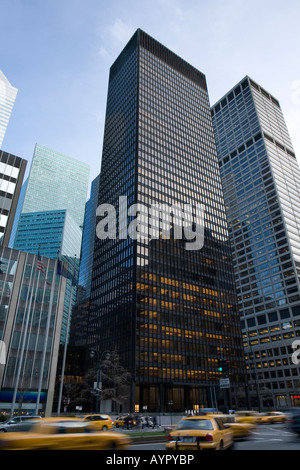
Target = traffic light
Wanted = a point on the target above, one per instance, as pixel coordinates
(223, 366)
(226, 366)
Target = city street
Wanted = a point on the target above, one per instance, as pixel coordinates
(265, 437)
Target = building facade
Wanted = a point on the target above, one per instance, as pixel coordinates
(167, 310)
(261, 182)
(56, 182)
(31, 312)
(12, 170)
(88, 240)
(52, 213)
(50, 232)
(8, 95)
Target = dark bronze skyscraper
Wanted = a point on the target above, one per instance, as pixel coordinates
(165, 305)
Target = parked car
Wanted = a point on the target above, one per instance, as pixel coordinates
(16, 423)
(63, 434)
(199, 433)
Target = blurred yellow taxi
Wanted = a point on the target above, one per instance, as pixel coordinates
(251, 417)
(101, 422)
(273, 417)
(200, 433)
(63, 434)
(239, 430)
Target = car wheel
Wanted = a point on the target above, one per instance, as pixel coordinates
(3, 430)
(104, 428)
(117, 425)
(221, 446)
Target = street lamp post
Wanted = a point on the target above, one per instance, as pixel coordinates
(105, 355)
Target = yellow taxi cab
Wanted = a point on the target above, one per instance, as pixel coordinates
(122, 421)
(200, 433)
(239, 430)
(247, 417)
(100, 421)
(63, 434)
(273, 417)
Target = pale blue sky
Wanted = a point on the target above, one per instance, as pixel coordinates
(58, 54)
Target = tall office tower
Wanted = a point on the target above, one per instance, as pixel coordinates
(261, 182)
(165, 307)
(7, 99)
(56, 181)
(12, 171)
(52, 213)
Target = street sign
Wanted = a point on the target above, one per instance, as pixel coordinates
(225, 383)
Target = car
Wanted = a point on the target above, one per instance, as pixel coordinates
(201, 432)
(247, 417)
(272, 417)
(13, 424)
(100, 421)
(125, 421)
(64, 434)
(239, 430)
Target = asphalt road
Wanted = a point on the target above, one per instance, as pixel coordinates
(265, 437)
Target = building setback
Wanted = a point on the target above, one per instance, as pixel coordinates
(168, 312)
(261, 182)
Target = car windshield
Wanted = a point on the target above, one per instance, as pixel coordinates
(205, 424)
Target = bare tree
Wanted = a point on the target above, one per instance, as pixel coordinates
(115, 381)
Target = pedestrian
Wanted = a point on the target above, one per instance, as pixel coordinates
(126, 421)
(154, 422)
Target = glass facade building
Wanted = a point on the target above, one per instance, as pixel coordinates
(168, 312)
(54, 232)
(88, 240)
(56, 182)
(261, 182)
(30, 325)
(52, 212)
(8, 95)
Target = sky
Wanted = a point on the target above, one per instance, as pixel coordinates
(58, 53)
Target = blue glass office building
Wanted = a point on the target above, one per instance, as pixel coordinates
(88, 239)
(56, 182)
(261, 183)
(50, 232)
(52, 213)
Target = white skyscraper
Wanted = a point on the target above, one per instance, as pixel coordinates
(7, 98)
